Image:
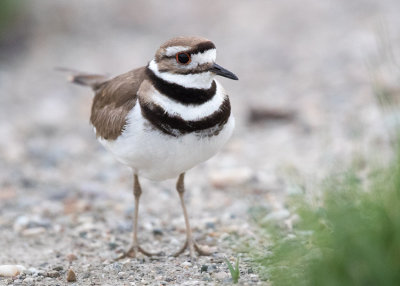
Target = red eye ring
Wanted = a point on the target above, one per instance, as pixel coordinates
(183, 58)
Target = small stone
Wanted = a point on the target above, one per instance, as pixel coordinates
(203, 268)
(29, 280)
(157, 232)
(11, 270)
(210, 225)
(212, 268)
(83, 234)
(112, 245)
(108, 268)
(221, 275)
(254, 277)
(24, 223)
(53, 274)
(230, 177)
(117, 266)
(250, 271)
(262, 113)
(20, 223)
(30, 271)
(33, 231)
(186, 264)
(34, 271)
(86, 275)
(58, 268)
(71, 257)
(71, 277)
(276, 216)
(22, 275)
(17, 282)
(114, 267)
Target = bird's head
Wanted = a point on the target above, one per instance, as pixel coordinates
(189, 62)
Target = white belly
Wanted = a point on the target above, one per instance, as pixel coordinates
(157, 156)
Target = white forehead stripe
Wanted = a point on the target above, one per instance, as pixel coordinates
(171, 51)
(208, 56)
(197, 80)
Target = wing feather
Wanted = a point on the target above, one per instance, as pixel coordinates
(113, 101)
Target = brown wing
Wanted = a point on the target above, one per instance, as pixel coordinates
(113, 101)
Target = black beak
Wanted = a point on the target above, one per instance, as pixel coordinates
(217, 69)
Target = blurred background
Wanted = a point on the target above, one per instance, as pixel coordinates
(309, 99)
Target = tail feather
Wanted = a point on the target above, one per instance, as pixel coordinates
(86, 79)
(92, 80)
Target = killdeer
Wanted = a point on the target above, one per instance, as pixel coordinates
(163, 119)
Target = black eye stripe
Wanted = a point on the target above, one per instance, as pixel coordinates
(200, 48)
(174, 56)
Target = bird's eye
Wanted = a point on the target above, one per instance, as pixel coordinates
(183, 58)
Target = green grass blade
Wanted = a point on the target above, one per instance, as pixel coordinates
(235, 273)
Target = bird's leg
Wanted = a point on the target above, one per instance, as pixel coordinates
(190, 242)
(135, 248)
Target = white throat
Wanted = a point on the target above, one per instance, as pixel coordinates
(199, 80)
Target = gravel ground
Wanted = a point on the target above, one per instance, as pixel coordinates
(304, 106)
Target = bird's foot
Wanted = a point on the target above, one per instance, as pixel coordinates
(193, 247)
(134, 250)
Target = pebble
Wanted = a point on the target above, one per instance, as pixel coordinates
(53, 274)
(203, 268)
(254, 277)
(31, 271)
(71, 277)
(157, 231)
(112, 245)
(276, 216)
(17, 282)
(186, 264)
(221, 275)
(20, 223)
(115, 267)
(22, 275)
(29, 280)
(24, 223)
(33, 231)
(210, 225)
(263, 113)
(212, 268)
(206, 276)
(230, 177)
(58, 268)
(71, 257)
(11, 270)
